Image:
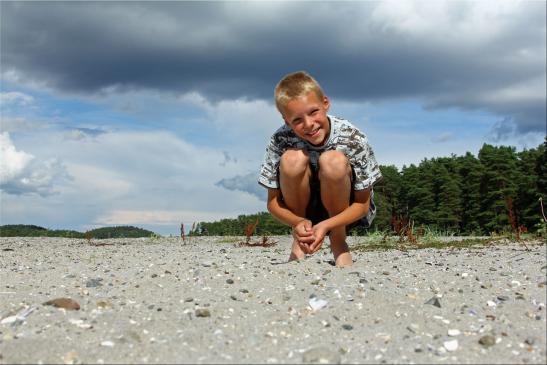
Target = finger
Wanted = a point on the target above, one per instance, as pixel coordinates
(306, 239)
(305, 234)
(304, 247)
(315, 246)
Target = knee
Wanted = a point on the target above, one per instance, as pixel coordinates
(294, 163)
(334, 166)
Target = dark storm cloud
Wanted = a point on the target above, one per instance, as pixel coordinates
(246, 183)
(226, 50)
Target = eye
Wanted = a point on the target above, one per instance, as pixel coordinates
(314, 111)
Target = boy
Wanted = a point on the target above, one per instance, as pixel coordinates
(319, 171)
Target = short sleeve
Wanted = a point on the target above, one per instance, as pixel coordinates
(362, 159)
(269, 169)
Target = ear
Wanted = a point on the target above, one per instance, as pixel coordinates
(326, 103)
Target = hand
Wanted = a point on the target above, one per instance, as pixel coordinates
(319, 232)
(303, 234)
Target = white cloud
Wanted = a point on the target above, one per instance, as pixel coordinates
(22, 173)
(12, 163)
(448, 21)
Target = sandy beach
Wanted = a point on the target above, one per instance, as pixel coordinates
(157, 300)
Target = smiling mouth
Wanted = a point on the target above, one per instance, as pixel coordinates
(313, 133)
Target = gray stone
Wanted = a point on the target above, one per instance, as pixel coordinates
(92, 283)
(434, 301)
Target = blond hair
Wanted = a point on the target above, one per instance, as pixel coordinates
(295, 85)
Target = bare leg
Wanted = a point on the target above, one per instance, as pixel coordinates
(294, 170)
(335, 178)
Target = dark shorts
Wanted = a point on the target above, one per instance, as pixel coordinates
(316, 211)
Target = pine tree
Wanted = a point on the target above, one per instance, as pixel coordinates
(498, 183)
(386, 196)
(527, 183)
(447, 194)
(470, 172)
(417, 192)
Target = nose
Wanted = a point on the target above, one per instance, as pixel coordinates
(308, 123)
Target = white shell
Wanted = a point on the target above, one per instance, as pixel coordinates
(316, 303)
(451, 345)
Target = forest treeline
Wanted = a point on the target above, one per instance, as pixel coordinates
(27, 230)
(497, 191)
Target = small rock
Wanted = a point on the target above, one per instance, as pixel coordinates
(347, 327)
(451, 345)
(503, 298)
(103, 304)
(66, 303)
(487, 340)
(321, 355)
(529, 341)
(202, 312)
(434, 301)
(92, 283)
(385, 272)
(229, 281)
(107, 343)
(317, 304)
(454, 332)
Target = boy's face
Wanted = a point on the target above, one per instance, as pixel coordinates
(307, 117)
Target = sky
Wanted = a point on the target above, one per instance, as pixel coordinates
(155, 113)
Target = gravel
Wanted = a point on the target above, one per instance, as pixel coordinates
(210, 301)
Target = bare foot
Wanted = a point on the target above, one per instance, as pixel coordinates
(294, 257)
(344, 260)
(296, 252)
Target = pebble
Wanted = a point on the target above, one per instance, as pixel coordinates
(434, 301)
(107, 343)
(317, 304)
(487, 340)
(65, 303)
(203, 312)
(93, 283)
(454, 332)
(451, 345)
(321, 355)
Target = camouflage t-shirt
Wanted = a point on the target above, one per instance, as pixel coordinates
(344, 137)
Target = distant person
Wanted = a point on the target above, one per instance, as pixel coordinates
(319, 170)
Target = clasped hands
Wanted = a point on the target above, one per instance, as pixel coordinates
(309, 237)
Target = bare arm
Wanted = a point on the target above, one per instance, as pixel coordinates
(357, 209)
(301, 226)
(280, 211)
